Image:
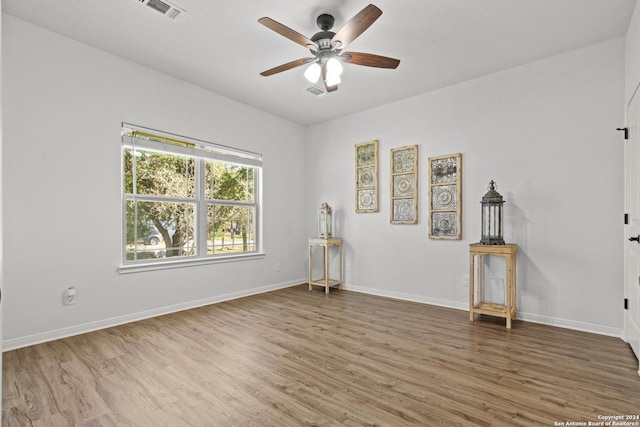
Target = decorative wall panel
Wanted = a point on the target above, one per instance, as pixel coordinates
(367, 177)
(445, 197)
(404, 185)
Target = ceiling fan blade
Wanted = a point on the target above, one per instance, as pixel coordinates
(369, 60)
(357, 25)
(285, 31)
(287, 66)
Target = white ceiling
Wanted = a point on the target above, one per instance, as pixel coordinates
(220, 46)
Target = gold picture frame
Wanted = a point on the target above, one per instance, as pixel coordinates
(445, 197)
(404, 185)
(367, 177)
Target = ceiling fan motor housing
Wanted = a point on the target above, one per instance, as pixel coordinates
(323, 38)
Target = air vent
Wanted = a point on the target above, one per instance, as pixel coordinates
(316, 90)
(167, 9)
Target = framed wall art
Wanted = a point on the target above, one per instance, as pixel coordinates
(367, 177)
(404, 185)
(445, 197)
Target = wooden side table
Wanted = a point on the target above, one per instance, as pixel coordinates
(325, 244)
(508, 310)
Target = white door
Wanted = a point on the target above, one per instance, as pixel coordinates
(632, 228)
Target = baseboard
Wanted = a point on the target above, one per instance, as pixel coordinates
(527, 317)
(26, 341)
(572, 324)
(408, 297)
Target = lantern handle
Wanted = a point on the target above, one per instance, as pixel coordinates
(492, 185)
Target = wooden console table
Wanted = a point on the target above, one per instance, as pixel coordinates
(506, 310)
(325, 280)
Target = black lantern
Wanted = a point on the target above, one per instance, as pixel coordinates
(492, 217)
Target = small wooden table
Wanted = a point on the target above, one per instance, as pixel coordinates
(326, 244)
(508, 310)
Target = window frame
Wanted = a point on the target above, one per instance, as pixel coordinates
(134, 136)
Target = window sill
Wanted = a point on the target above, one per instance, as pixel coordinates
(163, 265)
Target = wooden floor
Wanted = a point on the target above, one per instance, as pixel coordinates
(294, 357)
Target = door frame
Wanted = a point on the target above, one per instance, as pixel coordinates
(631, 332)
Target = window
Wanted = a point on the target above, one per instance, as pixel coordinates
(187, 200)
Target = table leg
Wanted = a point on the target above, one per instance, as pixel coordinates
(508, 308)
(513, 286)
(479, 278)
(340, 262)
(310, 246)
(472, 258)
(326, 269)
(509, 290)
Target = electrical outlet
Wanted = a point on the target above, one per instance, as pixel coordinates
(70, 296)
(465, 281)
(277, 266)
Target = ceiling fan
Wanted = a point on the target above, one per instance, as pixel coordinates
(326, 48)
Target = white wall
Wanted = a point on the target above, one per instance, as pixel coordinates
(63, 106)
(632, 55)
(1, 244)
(546, 133)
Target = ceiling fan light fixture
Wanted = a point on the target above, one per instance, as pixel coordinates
(312, 73)
(332, 80)
(334, 67)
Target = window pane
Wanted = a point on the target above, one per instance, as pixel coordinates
(163, 174)
(226, 181)
(128, 169)
(230, 229)
(160, 230)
